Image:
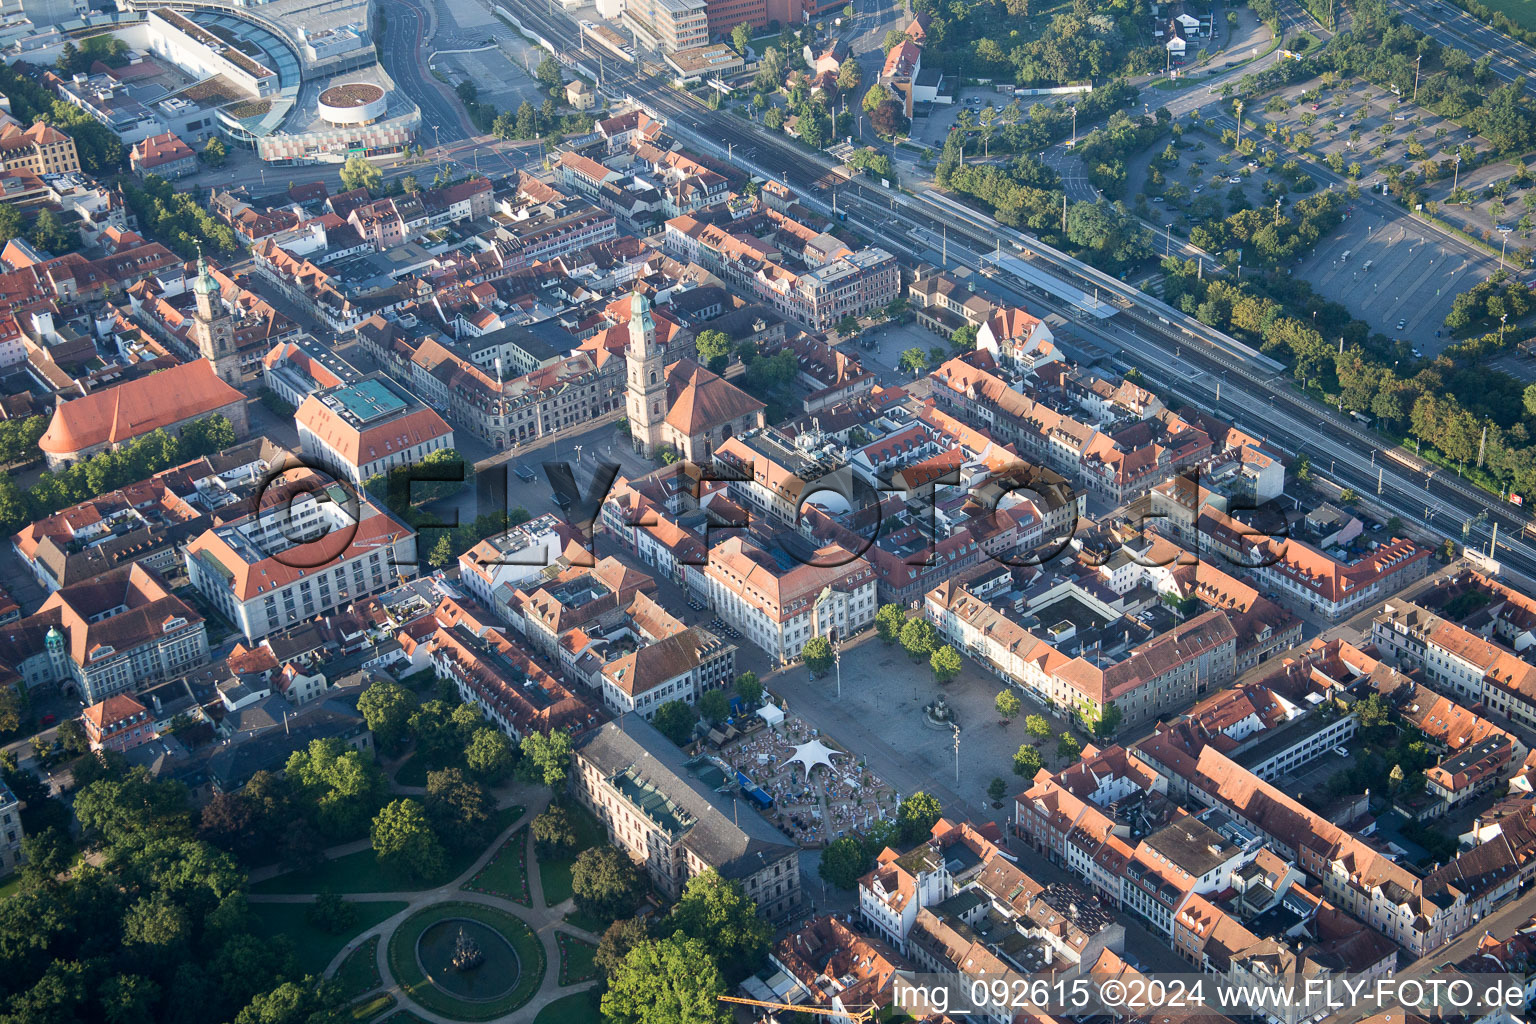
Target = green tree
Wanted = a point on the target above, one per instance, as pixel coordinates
(343, 785)
(10, 222)
(618, 939)
(553, 832)
(215, 153)
(548, 73)
(749, 689)
(387, 707)
(443, 552)
(310, 1001)
(913, 359)
(893, 38)
(945, 663)
(849, 76)
(332, 913)
(714, 706)
(10, 710)
(1373, 712)
(404, 842)
(1026, 761)
(458, 809)
(359, 173)
(1037, 726)
(712, 344)
(916, 817)
(964, 338)
(843, 863)
(489, 754)
(1396, 777)
(548, 757)
(718, 914)
(1008, 705)
(133, 807)
(50, 235)
(817, 655)
(675, 720)
(1067, 747)
(997, 789)
(889, 620)
(666, 981)
(605, 882)
(741, 38)
(919, 637)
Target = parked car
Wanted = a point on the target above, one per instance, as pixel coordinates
(50, 718)
(1341, 751)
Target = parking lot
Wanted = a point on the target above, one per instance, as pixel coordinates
(1413, 277)
(502, 83)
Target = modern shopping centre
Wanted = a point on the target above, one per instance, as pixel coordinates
(298, 81)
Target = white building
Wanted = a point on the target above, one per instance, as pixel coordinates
(299, 557)
(780, 609)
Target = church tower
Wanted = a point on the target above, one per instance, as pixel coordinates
(647, 385)
(213, 329)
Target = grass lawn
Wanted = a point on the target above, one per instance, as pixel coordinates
(359, 972)
(310, 944)
(595, 925)
(10, 885)
(371, 1008)
(506, 875)
(1521, 12)
(555, 875)
(413, 980)
(580, 1008)
(576, 959)
(360, 871)
(412, 771)
(403, 1017)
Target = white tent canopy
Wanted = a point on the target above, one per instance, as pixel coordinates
(812, 754)
(772, 715)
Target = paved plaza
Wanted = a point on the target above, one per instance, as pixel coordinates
(817, 806)
(880, 717)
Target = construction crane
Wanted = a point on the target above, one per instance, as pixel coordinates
(857, 1016)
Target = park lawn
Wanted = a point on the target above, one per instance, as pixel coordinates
(555, 874)
(361, 872)
(310, 944)
(506, 874)
(359, 972)
(587, 923)
(368, 1009)
(412, 772)
(402, 1017)
(1521, 12)
(578, 1008)
(10, 885)
(577, 959)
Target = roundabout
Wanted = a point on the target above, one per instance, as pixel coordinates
(500, 965)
